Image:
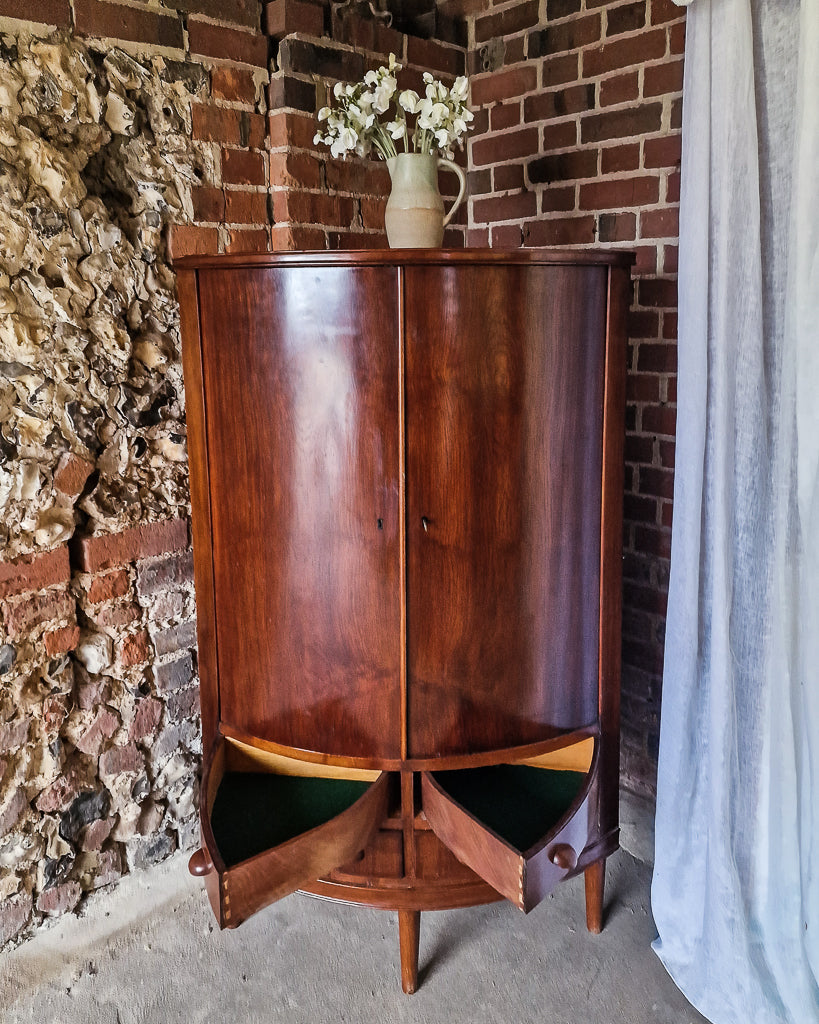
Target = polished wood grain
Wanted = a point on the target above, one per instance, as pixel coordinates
(201, 524)
(524, 877)
(301, 381)
(245, 888)
(504, 379)
(595, 876)
(409, 934)
(406, 480)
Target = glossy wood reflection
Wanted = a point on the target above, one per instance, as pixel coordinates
(301, 378)
(504, 448)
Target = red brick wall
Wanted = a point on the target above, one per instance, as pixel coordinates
(578, 143)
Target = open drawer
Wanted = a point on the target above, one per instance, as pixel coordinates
(270, 824)
(522, 826)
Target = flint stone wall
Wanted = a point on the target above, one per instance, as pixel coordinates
(99, 733)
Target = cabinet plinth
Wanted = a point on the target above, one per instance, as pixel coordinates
(406, 483)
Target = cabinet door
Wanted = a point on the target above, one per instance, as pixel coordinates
(302, 397)
(504, 394)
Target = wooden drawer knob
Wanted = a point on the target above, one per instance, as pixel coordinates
(199, 864)
(563, 856)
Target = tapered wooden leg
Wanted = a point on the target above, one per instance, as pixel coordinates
(595, 884)
(409, 933)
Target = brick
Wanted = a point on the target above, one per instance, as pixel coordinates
(103, 727)
(478, 238)
(94, 834)
(34, 572)
(372, 213)
(616, 193)
(25, 615)
(675, 122)
(640, 509)
(104, 20)
(283, 17)
(107, 587)
(646, 656)
(621, 124)
(223, 43)
(570, 35)
(660, 79)
(670, 325)
(658, 292)
(500, 208)
(619, 89)
(135, 649)
(506, 115)
(243, 207)
(173, 675)
(627, 18)
(299, 170)
(559, 70)
(638, 448)
(365, 33)
(14, 734)
(433, 56)
(657, 482)
(670, 259)
(507, 177)
(665, 10)
(562, 231)
(579, 163)
(676, 38)
(173, 570)
(361, 240)
(559, 135)
(183, 704)
(643, 323)
(643, 387)
(144, 541)
(547, 105)
(657, 358)
(12, 811)
(509, 146)
(562, 8)
(71, 474)
(367, 177)
(297, 93)
(668, 448)
(620, 158)
(306, 57)
(121, 760)
(624, 53)
(660, 420)
(662, 152)
(102, 868)
(655, 542)
(616, 227)
(15, 913)
(507, 22)
(46, 12)
(557, 200)
(187, 239)
(247, 240)
(209, 204)
(296, 237)
(233, 84)
(175, 638)
(216, 124)
(59, 899)
(507, 236)
(500, 85)
(312, 208)
(146, 719)
(672, 189)
(239, 167)
(61, 641)
(117, 615)
(240, 12)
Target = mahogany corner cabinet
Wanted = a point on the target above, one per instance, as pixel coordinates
(406, 483)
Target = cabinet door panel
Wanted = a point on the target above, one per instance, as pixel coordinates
(504, 394)
(301, 385)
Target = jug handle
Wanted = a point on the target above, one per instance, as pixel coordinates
(448, 165)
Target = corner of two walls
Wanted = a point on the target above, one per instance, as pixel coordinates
(130, 134)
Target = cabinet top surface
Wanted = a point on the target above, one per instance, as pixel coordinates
(413, 257)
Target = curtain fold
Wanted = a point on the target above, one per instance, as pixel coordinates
(736, 885)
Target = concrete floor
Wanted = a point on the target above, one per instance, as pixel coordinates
(149, 953)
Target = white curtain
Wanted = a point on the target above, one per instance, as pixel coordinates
(736, 883)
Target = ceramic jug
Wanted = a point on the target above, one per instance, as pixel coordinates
(414, 217)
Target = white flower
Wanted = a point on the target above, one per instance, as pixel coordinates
(397, 128)
(384, 93)
(346, 140)
(323, 114)
(432, 115)
(460, 89)
(409, 100)
(338, 89)
(442, 138)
